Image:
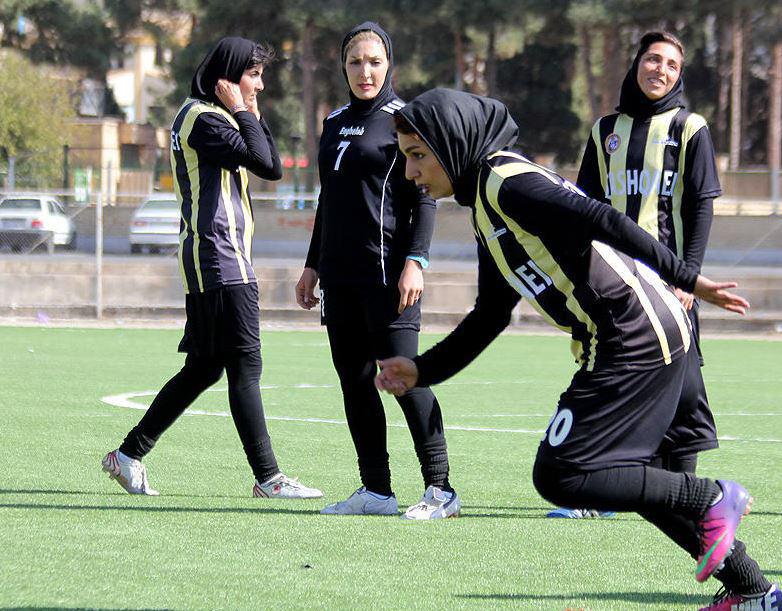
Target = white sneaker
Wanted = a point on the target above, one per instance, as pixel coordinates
(128, 472)
(281, 486)
(364, 502)
(434, 504)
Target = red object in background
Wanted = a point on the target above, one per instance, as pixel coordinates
(302, 162)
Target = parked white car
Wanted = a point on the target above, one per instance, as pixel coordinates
(30, 221)
(155, 224)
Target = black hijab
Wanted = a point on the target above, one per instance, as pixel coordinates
(633, 101)
(228, 60)
(386, 93)
(462, 129)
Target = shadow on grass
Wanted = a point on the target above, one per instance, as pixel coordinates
(116, 493)
(473, 511)
(239, 510)
(669, 598)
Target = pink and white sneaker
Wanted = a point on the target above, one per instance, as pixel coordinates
(281, 486)
(727, 601)
(717, 528)
(128, 473)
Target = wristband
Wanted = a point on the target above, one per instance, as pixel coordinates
(238, 108)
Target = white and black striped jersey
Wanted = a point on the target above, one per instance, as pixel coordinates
(211, 151)
(369, 217)
(660, 171)
(584, 267)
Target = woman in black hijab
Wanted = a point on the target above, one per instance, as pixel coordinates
(369, 245)
(579, 263)
(654, 161)
(217, 135)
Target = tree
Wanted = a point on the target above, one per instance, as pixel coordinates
(35, 137)
(63, 34)
(535, 85)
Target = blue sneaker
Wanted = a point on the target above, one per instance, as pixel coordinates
(564, 512)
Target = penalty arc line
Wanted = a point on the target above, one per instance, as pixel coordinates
(125, 401)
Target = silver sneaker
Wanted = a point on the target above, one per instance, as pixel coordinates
(281, 486)
(129, 473)
(364, 502)
(436, 503)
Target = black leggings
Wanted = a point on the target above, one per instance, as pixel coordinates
(354, 354)
(243, 370)
(673, 501)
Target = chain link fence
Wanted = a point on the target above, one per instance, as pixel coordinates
(97, 250)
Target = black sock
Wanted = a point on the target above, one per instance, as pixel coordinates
(741, 574)
(692, 495)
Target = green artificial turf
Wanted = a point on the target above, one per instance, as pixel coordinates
(70, 538)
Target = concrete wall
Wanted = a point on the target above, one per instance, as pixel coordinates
(150, 287)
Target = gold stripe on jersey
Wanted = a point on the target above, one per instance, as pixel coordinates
(622, 128)
(191, 164)
(654, 155)
(693, 124)
(536, 250)
(185, 224)
(670, 300)
(249, 223)
(486, 229)
(225, 187)
(619, 266)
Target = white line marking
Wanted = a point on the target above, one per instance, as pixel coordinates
(124, 400)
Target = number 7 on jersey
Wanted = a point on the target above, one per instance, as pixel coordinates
(342, 146)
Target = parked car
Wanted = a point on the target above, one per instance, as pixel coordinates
(156, 224)
(30, 221)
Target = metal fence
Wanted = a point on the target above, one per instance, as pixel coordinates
(100, 257)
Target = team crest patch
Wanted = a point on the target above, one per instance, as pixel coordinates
(612, 143)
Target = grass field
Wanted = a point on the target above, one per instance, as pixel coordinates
(72, 539)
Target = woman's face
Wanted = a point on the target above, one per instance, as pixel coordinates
(659, 69)
(366, 65)
(251, 83)
(423, 168)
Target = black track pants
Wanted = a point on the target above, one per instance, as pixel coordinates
(243, 370)
(354, 353)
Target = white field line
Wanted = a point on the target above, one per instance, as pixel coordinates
(125, 400)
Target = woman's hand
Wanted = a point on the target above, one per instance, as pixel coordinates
(411, 284)
(714, 292)
(229, 94)
(686, 299)
(397, 375)
(305, 289)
